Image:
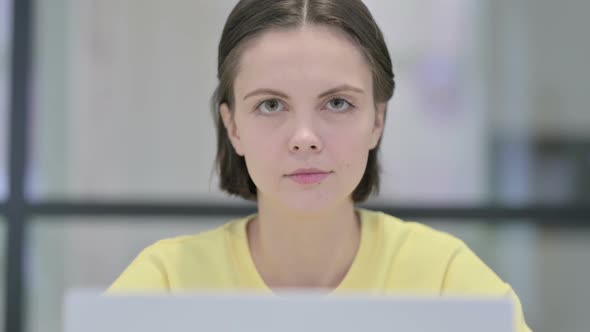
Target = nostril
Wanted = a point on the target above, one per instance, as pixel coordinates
(313, 147)
(296, 148)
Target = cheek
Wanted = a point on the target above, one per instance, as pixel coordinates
(261, 141)
(351, 149)
(256, 135)
(261, 147)
(354, 136)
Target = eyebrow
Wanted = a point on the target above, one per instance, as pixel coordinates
(344, 87)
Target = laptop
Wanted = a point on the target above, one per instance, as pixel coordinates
(89, 311)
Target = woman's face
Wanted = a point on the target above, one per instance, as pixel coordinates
(304, 118)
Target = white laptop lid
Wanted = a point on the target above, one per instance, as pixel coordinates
(90, 312)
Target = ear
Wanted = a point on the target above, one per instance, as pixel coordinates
(230, 127)
(380, 109)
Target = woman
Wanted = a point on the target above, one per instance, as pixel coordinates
(300, 109)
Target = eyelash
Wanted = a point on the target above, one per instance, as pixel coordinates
(352, 106)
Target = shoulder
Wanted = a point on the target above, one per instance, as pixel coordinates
(199, 245)
(414, 236)
(417, 256)
(423, 250)
(183, 261)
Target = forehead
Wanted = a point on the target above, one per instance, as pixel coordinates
(303, 58)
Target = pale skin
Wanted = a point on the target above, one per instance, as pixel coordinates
(304, 99)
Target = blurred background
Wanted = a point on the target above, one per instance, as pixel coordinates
(488, 127)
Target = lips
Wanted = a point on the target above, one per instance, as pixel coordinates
(309, 175)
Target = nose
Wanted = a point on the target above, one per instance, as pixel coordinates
(305, 138)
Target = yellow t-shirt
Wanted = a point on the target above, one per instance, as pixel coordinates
(394, 257)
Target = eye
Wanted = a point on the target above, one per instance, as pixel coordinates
(339, 105)
(270, 106)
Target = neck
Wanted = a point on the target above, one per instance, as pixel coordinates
(298, 249)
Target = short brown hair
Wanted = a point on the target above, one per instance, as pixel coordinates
(250, 18)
